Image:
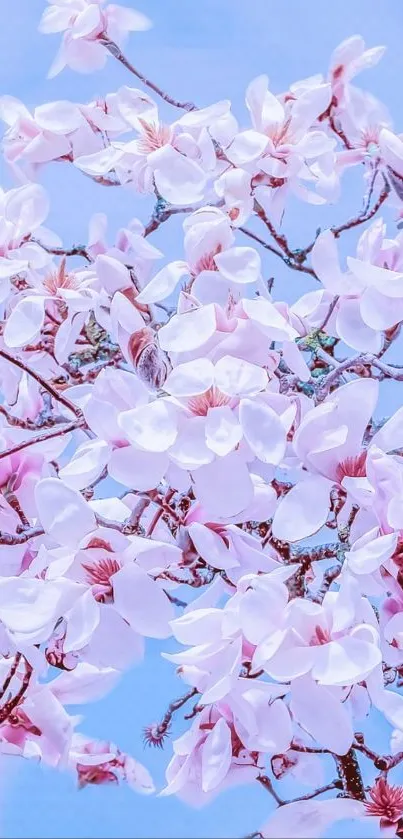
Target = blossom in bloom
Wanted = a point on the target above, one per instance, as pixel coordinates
(86, 25)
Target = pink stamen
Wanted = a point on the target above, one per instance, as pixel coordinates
(387, 801)
(212, 398)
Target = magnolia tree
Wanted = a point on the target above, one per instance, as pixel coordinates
(183, 453)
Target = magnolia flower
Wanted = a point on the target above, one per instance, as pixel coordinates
(347, 60)
(370, 294)
(86, 25)
(216, 269)
(213, 423)
(22, 212)
(177, 159)
(209, 757)
(56, 131)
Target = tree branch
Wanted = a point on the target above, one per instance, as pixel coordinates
(350, 775)
(41, 438)
(117, 53)
(46, 385)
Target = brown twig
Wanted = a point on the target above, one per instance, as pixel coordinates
(10, 706)
(20, 538)
(46, 385)
(75, 250)
(13, 670)
(363, 217)
(117, 53)
(41, 438)
(350, 775)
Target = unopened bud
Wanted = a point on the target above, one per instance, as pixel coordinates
(147, 357)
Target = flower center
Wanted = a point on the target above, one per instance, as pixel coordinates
(60, 279)
(98, 574)
(212, 398)
(153, 136)
(206, 262)
(387, 801)
(321, 637)
(352, 467)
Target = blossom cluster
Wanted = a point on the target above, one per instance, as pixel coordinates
(185, 454)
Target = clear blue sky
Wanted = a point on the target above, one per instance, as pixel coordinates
(204, 51)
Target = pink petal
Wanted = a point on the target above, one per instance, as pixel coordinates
(304, 510)
(141, 602)
(390, 436)
(191, 378)
(201, 626)
(353, 330)
(25, 322)
(63, 512)
(325, 262)
(295, 361)
(179, 180)
(55, 19)
(224, 487)
(137, 776)
(239, 265)
(164, 283)
(246, 147)
(211, 547)
(269, 319)
(188, 331)
(151, 427)
(238, 377)
(324, 717)
(27, 207)
(216, 756)
(310, 819)
(345, 662)
(190, 449)
(391, 148)
(86, 464)
(59, 117)
(203, 117)
(87, 21)
(388, 282)
(222, 429)
(86, 683)
(263, 430)
(136, 468)
(380, 312)
(82, 621)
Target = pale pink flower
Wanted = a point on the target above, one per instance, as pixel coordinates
(86, 25)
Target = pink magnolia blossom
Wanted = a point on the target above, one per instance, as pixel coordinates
(86, 25)
(191, 453)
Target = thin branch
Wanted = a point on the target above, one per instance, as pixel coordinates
(41, 438)
(46, 385)
(75, 250)
(337, 784)
(293, 259)
(265, 781)
(117, 53)
(20, 538)
(334, 375)
(155, 734)
(328, 578)
(13, 703)
(350, 775)
(363, 217)
(161, 216)
(261, 242)
(337, 129)
(13, 670)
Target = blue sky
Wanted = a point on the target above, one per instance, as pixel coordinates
(204, 51)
